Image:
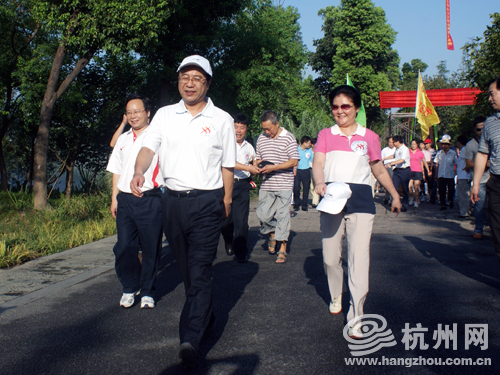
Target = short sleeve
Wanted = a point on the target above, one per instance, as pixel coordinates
(115, 161)
(321, 141)
(484, 146)
(258, 151)
(374, 151)
(154, 135)
(228, 144)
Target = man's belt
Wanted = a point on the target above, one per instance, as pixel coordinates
(156, 192)
(246, 179)
(188, 193)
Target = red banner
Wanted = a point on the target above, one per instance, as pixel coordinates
(438, 98)
(449, 40)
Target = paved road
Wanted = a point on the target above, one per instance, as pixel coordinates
(60, 314)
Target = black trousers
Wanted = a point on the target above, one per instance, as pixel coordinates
(432, 185)
(303, 177)
(443, 185)
(235, 227)
(192, 225)
(138, 225)
(402, 177)
(493, 191)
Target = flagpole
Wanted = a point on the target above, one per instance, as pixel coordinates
(416, 103)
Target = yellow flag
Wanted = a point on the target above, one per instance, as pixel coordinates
(424, 112)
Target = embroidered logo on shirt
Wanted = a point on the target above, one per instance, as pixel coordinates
(207, 130)
(359, 147)
(247, 156)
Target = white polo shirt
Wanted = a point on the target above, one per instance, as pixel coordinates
(402, 153)
(193, 149)
(245, 155)
(122, 162)
(387, 151)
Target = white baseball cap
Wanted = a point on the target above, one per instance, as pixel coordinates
(335, 198)
(199, 61)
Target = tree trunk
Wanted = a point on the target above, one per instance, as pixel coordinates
(3, 169)
(70, 171)
(3, 131)
(42, 139)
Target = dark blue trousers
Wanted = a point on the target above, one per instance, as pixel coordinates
(402, 177)
(138, 225)
(235, 227)
(303, 177)
(192, 225)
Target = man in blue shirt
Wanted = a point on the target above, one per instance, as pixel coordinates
(303, 174)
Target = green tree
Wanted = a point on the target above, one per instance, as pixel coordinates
(85, 28)
(196, 28)
(482, 61)
(357, 41)
(409, 74)
(263, 56)
(17, 31)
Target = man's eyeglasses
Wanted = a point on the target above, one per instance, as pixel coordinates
(134, 113)
(479, 130)
(344, 107)
(197, 80)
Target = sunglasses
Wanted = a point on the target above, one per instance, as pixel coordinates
(344, 107)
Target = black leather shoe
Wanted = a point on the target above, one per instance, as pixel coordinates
(188, 354)
(295, 208)
(242, 260)
(304, 209)
(404, 209)
(229, 249)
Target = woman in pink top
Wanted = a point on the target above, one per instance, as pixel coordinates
(417, 163)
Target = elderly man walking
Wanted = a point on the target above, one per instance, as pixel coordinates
(276, 156)
(197, 158)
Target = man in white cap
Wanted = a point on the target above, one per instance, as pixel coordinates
(197, 158)
(445, 162)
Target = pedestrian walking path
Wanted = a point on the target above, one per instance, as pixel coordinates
(60, 314)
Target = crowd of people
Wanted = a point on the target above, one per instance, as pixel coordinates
(187, 172)
(443, 175)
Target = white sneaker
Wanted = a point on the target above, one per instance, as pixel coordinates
(415, 204)
(410, 201)
(128, 299)
(336, 305)
(147, 302)
(355, 331)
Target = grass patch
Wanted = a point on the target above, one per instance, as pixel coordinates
(26, 234)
